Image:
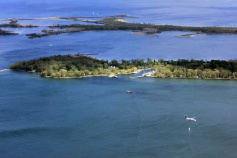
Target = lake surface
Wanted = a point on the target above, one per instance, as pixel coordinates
(95, 117)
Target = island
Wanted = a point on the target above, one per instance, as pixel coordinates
(83, 65)
(3, 32)
(117, 22)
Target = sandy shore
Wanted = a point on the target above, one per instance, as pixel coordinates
(144, 33)
(4, 70)
(188, 35)
(121, 20)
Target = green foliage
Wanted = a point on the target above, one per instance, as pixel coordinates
(3, 32)
(81, 65)
(114, 24)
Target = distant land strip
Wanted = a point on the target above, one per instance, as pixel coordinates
(117, 22)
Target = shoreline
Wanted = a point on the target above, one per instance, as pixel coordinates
(188, 35)
(4, 70)
(144, 33)
(106, 75)
(117, 22)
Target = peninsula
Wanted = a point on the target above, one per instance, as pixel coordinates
(117, 22)
(82, 65)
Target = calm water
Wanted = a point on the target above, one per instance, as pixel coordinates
(181, 12)
(118, 45)
(95, 117)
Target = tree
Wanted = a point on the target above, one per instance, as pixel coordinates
(134, 69)
(168, 73)
(235, 75)
(73, 68)
(225, 73)
(77, 73)
(149, 61)
(216, 73)
(106, 65)
(63, 73)
(70, 73)
(50, 72)
(190, 73)
(114, 63)
(95, 72)
(178, 72)
(129, 71)
(86, 72)
(123, 71)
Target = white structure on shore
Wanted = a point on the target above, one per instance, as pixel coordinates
(112, 76)
(148, 74)
(135, 72)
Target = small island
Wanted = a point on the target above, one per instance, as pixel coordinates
(3, 32)
(83, 65)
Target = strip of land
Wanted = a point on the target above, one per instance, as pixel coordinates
(82, 65)
(117, 22)
(4, 32)
(189, 35)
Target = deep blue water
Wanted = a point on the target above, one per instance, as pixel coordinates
(118, 45)
(181, 12)
(95, 117)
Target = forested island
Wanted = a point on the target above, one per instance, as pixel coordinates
(3, 32)
(117, 22)
(114, 24)
(82, 65)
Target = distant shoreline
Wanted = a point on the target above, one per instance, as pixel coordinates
(117, 22)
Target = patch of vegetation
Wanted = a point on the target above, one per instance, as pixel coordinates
(16, 25)
(83, 65)
(3, 32)
(115, 24)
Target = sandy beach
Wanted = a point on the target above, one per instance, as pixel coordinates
(4, 70)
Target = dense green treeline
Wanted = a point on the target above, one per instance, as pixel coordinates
(109, 24)
(116, 23)
(83, 65)
(201, 64)
(113, 24)
(214, 69)
(3, 32)
(170, 71)
(15, 25)
(75, 66)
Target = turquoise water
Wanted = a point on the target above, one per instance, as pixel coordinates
(95, 117)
